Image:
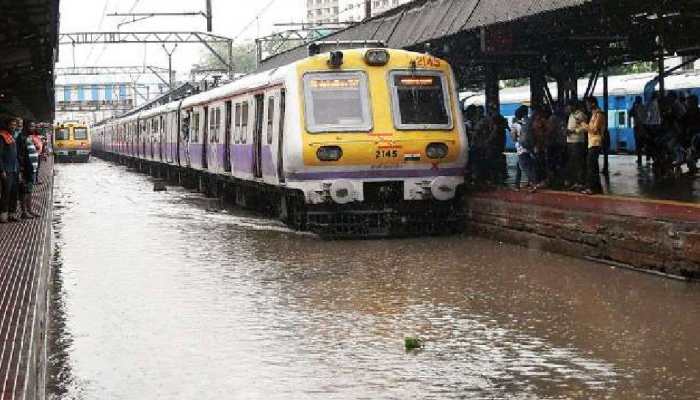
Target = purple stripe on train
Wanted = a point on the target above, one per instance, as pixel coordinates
(373, 174)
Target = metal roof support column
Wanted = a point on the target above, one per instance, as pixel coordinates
(537, 82)
(606, 108)
(492, 87)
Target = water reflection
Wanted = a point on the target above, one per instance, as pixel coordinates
(162, 299)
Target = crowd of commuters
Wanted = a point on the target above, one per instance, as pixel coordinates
(21, 147)
(560, 148)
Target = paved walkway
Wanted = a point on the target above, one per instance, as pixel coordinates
(628, 180)
(24, 273)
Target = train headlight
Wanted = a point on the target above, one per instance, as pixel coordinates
(442, 189)
(376, 57)
(342, 192)
(436, 150)
(329, 153)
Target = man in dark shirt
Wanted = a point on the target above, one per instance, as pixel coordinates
(691, 132)
(9, 171)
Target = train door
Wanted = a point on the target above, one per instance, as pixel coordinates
(205, 138)
(257, 134)
(280, 138)
(227, 137)
(161, 135)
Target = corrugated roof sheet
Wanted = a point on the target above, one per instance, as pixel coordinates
(424, 20)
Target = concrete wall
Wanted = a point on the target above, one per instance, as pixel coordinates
(662, 237)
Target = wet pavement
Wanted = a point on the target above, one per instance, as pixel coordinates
(157, 297)
(629, 180)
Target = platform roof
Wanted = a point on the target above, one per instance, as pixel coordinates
(522, 35)
(28, 52)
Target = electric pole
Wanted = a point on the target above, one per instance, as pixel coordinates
(368, 9)
(209, 16)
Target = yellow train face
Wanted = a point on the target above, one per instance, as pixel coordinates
(72, 140)
(399, 112)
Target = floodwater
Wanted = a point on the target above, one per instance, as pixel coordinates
(155, 297)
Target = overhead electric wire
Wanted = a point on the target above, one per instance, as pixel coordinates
(254, 20)
(104, 47)
(99, 26)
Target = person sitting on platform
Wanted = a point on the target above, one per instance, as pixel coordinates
(596, 130)
(9, 170)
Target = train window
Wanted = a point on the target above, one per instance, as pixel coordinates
(337, 102)
(195, 127)
(218, 124)
(80, 133)
(237, 124)
(419, 100)
(244, 122)
(62, 134)
(212, 125)
(621, 118)
(270, 118)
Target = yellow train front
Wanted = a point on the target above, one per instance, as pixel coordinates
(72, 142)
(381, 149)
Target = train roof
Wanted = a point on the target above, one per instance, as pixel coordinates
(619, 85)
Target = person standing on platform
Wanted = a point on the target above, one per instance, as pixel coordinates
(497, 126)
(576, 130)
(9, 171)
(596, 130)
(39, 144)
(638, 114)
(540, 130)
(521, 134)
(28, 166)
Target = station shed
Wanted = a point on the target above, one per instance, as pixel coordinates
(28, 53)
(542, 40)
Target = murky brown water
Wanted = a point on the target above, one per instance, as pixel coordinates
(158, 298)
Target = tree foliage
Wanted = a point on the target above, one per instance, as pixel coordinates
(243, 57)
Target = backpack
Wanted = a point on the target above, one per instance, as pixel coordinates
(525, 138)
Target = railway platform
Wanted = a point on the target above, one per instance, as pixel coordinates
(626, 179)
(637, 224)
(25, 249)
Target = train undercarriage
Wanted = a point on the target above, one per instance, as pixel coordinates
(381, 216)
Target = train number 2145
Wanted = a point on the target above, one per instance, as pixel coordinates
(388, 153)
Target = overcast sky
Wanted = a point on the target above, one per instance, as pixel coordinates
(230, 19)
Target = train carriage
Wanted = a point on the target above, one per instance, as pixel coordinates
(353, 142)
(72, 141)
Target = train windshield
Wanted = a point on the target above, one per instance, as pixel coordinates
(80, 134)
(337, 102)
(420, 100)
(62, 134)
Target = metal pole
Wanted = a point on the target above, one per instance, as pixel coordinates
(368, 9)
(606, 107)
(230, 59)
(170, 71)
(209, 16)
(662, 72)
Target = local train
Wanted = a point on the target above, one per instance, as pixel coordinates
(72, 141)
(621, 94)
(365, 142)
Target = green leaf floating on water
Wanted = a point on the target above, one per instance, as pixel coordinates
(412, 343)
